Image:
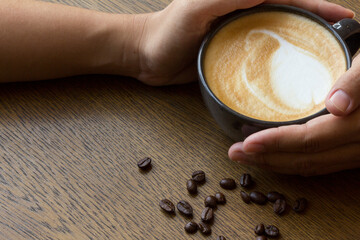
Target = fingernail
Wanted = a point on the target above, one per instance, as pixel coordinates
(254, 148)
(340, 100)
(354, 14)
(239, 156)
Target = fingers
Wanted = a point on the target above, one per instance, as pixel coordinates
(344, 97)
(217, 8)
(208, 10)
(329, 11)
(316, 135)
(305, 164)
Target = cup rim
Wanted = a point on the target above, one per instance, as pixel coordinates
(224, 20)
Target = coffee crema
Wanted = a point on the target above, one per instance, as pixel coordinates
(273, 66)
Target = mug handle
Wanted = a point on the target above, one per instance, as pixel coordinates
(349, 30)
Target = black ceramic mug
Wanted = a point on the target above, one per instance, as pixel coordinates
(239, 126)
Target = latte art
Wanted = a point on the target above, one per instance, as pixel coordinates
(298, 79)
(273, 66)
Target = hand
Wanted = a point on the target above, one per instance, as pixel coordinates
(172, 37)
(323, 145)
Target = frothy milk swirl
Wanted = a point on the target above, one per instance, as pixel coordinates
(297, 77)
(273, 66)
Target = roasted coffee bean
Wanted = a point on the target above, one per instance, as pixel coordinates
(228, 183)
(198, 176)
(245, 197)
(259, 229)
(204, 228)
(210, 201)
(279, 206)
(191, 186)
(191, 227)
(261, 237)
(273, 196)
(207, 214)
(258, 198)
(221, 238)
(220, 198)
(246, 180)
(144, 163)
(184, 208)
(300, 205)
(271, 231)
(167, 206)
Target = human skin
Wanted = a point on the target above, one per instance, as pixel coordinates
(41, 41)
(326, 144)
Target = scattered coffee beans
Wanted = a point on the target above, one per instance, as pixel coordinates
(273, 196)
(279, 206)
(220, 198)
(198, 176)
(271, 231)
(204, 228)
(144, 163)
(258, 198)
(207, 214)
(245, 197)
(246, 180)
(167, 206)
(261, 237)
(185, 208)
(300, 205)
(191, 186)
(228, 183)
(210, 201)
(191, 227)
(259, 229)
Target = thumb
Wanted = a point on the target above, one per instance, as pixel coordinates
(344, 97)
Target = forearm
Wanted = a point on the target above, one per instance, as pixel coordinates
(41, 40)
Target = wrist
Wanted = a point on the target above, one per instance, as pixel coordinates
(118, 44)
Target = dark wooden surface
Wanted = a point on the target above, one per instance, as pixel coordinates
(69, 150)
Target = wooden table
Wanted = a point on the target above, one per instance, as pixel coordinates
(69, 150)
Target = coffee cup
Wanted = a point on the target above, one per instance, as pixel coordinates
(271, 66)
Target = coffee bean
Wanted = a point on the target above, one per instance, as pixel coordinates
(204, 228)
(261, 237)
(184, 208)
(273, 196)
(198, 176)
(228, 183)
(207, 214)
(300, 205)
(144, 163)
(220, 198)
(210, 201)
(259, 229)
(279, 206)
(246, 180)
(191, 227)
(221, 238)
(245, 197)
(258, 198)
(167, 206)
(271, 231)
(191, 186)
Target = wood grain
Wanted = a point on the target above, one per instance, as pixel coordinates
(69, 150)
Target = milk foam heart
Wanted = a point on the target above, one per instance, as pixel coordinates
(298, 78)
(273, 66)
